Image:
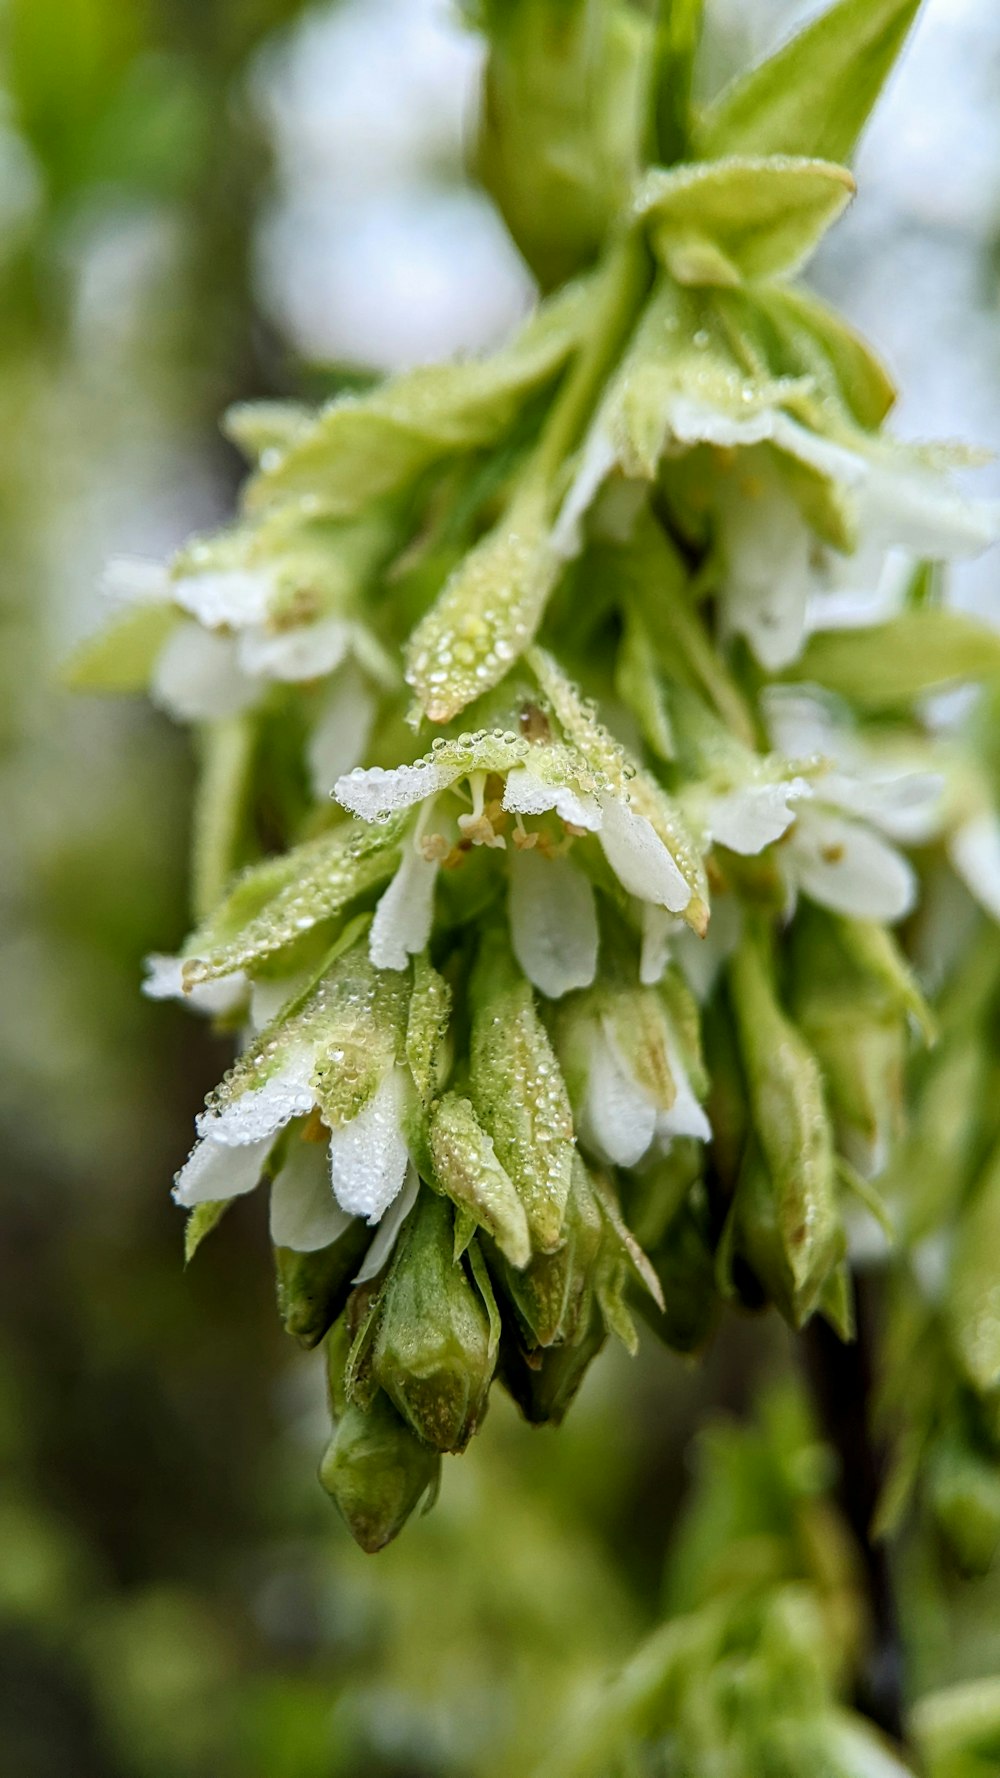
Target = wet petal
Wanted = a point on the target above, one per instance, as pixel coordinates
(639, 858)
(234, 597)
(618, 1119)
(553, 923)
(164, 981)
(389, 1228)
(305, 1214)
(368, 1156)
(215, 1170)
(405, 913)
(527, 794)
(264, 1110)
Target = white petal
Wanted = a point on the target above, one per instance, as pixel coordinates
(136, 580)
(526, 794)
(405, 913)
(658, 932)
(800, 726)
(215, 1171)
(768, 574)
(343, 729)
(379, 791)
(921, 511)
(553, 923)
(234, 597)
(686, 1116)
(748, 819)
(597, 459)
(845, 866)
(306, 651)
(389, 1227)
(368, 1156)
(164, 981)
(197, 677)
(639, 858)
(974, 850)
(264, 1110)
(618, 1120)
(305, 1214)
(906, 805)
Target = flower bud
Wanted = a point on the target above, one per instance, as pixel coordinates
(552, 1295)
(376, 1472)
(544, 1382)
(434, 1348)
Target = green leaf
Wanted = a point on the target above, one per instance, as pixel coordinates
(814, 95)
(891, 664)
(486, 615)
(359, 449)
(121, 657)
(741, 218)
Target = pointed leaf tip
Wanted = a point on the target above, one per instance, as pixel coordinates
(814, 95)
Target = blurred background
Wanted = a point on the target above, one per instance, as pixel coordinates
(203, 201)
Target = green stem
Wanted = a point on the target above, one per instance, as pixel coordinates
(226, 758)
(621, 286)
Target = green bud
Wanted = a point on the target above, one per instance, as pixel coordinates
(313, 1287)
(434, 1350)
(552, 1295)
(376, 1472)
(799, 1224)
(562, 122)
(543, 1382)
(518, 1091)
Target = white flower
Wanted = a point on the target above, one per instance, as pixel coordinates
(365, 1158)
(974, 851)
(838, 852)
(620, 1121)
(222, 663)
(779, 580)
(552, 909)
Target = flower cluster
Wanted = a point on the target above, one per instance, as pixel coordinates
(615, 651)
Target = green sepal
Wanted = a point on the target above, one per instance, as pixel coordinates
(789, 1198)
(273, 904)
(518, 1091)
(685, 1267)
(427, 1021)
(200, 1222)
(814, 95)
(554, 1292)
(466, 1167)
(824, 345)
(121, 657)
(544, 1382)
(313, 1287)
(964, 1489)
(740, 219)
(487, 612)
(890, 665)
(376, 1472)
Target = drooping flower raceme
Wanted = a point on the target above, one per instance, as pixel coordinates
(570, 760)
